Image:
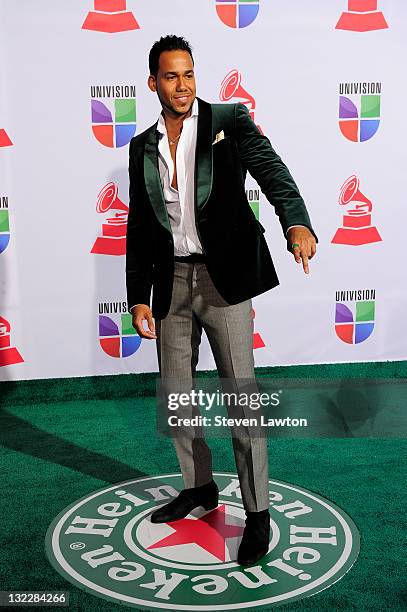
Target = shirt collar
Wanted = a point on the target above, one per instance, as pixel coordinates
(161, 122)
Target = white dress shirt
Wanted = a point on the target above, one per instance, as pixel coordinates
(180, 202)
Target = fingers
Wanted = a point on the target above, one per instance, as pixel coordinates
(303, 251)
(297, 254)
(150, 323)
(139, 315)
(143, 333)
(305, 262)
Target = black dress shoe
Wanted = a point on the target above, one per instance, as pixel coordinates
(256, 538)
(206, 496)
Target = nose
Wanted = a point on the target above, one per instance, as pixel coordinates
(181, 86)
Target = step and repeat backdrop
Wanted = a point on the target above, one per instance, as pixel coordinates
(322, 79)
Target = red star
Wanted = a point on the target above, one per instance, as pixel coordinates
(209, 532)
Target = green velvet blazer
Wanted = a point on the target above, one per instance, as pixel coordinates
(238, 258)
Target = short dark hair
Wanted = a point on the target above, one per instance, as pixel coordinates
(167, 43)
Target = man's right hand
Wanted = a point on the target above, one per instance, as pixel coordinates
(139, 313)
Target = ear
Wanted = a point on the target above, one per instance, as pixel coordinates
(152, 83)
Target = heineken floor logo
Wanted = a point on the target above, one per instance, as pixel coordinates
(106, 544)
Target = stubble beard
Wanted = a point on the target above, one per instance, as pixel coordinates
(171, 110)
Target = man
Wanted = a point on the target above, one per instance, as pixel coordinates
(193, 239)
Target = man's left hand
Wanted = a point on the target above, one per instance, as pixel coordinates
(304, 247)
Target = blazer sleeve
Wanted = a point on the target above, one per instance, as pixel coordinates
(270, 172)
(139, 242)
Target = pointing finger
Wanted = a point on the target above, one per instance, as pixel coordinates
(305, 262)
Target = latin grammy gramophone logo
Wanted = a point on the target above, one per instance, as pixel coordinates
(359, 110)
(231, 88)
(4, 139)
(357, 225)
(113, 238)
(4, 224)
(237, 13)
(362, 16)
(113, 109)
(9, 355)
(110, 16)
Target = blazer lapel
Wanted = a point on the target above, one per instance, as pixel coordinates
(203, 161)
(152, 178)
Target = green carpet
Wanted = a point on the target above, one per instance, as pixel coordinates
(61, 439)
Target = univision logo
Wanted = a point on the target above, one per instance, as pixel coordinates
(114, 119)
(359, 110)
(237, 13)
(355, 315)
(117, 336)
(4, 224)
(253, 197)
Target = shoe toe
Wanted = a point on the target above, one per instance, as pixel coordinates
(247, 559)
(157, 517)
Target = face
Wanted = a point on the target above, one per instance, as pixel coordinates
(175, 82)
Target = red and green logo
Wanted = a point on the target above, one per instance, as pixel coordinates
(359, 110)
(355, 315)
(4, 224)
(113, 110)
(117, 336)
(106, 544)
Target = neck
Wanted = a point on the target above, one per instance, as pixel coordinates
(174, 120)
